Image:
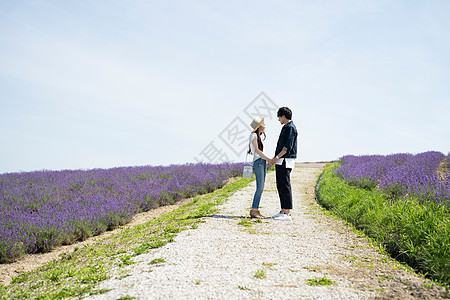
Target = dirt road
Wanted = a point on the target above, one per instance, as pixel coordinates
(314, 256)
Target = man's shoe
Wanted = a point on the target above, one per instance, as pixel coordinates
(283, 217)
(277, 215)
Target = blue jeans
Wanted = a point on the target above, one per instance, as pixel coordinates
(260, 168)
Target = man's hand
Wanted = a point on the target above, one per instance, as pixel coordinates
(273, 161)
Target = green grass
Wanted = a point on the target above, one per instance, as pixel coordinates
(411, 232)
(269, 265)
(243, 288)
(126, 260)
(245, 223)
(261, 274)
(77, 274)
(157, 261)
(319, 281)
(126, 298)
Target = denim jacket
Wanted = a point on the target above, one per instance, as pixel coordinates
(288, 141)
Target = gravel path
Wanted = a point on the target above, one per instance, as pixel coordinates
(219, 259)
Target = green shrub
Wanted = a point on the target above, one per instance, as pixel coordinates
(412, 231)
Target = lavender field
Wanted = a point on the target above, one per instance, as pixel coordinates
(44, 209)
(401, 201)
(424, 176)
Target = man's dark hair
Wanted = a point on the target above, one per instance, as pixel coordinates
(285, 111)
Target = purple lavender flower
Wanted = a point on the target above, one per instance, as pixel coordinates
(399, 175)
(43, 209)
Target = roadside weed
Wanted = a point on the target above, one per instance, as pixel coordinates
(126, 261)
(383, 278)
(157, 261)
(319, 281)
(313, 269)
(269, 265)
(245, 223)
(261, 274)
(124, 276)
(126, 298)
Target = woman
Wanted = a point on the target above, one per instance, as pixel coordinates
(256, 148)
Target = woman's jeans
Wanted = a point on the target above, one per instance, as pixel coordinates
(260, 168)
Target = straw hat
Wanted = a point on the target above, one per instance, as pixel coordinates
(256, 123)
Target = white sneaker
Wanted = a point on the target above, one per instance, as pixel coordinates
(278, 214)
(283, 217)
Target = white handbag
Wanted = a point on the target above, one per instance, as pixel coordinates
(247, 172)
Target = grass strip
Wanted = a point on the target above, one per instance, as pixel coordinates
(78, 273)
(411, 232)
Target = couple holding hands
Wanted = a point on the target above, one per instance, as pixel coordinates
(284, 161)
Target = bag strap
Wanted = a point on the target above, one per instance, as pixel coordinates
(249, 147)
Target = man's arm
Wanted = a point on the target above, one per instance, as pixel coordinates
(289, 143)
(278, 156)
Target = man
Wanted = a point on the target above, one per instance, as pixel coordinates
(285, 155)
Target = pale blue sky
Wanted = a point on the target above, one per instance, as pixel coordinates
(87, 84)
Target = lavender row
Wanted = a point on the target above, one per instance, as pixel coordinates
(425, 175)
(43, 209)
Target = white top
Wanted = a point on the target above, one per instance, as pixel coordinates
(290, 162)
(252, 148)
